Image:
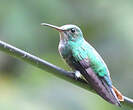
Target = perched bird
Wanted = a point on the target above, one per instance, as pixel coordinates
(82, 57)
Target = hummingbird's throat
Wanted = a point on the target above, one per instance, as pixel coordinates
(63, 36)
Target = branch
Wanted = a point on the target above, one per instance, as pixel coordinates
(42, 64)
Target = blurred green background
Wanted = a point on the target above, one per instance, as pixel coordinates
(106, 24)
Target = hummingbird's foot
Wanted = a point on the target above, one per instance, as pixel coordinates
(77, 75)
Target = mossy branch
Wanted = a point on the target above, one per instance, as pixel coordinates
(59, 72)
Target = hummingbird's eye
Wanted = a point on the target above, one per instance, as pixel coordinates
(73, 30)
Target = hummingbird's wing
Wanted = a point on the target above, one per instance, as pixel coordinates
(94, 70)
(97, 83)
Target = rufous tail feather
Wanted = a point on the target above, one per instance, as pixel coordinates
(118, 94)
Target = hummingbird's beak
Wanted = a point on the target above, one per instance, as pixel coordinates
(52, 26)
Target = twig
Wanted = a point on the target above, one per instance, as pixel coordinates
(128, 102)
(42, 64)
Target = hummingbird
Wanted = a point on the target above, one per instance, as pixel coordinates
(82, 57)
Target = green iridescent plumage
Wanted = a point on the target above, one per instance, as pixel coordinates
(81, 49)
(81, 56)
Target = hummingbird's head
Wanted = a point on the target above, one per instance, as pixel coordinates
(67, 32)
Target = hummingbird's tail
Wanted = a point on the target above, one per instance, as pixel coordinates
(118, 94)
(114, 94)
(107, 92)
